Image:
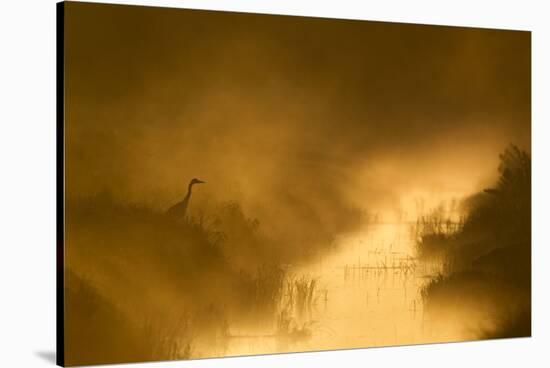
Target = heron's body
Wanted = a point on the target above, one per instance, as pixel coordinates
(179, 210)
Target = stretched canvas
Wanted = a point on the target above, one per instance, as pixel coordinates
(236, 184)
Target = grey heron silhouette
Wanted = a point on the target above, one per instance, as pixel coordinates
(179, 210)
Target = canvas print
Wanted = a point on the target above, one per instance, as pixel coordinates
(238, 184)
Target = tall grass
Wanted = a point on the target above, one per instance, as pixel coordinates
(144, 265)
(301, 294)
(488, 257)
(268, 285)
(434, 234)
(294, 318)
(168, 339)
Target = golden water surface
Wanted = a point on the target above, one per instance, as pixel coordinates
(369, 294)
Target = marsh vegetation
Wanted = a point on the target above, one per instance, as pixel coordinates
(144, 286)
(336, 172)
(487, 258)
(167, 289)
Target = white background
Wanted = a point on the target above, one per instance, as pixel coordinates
(27, 181)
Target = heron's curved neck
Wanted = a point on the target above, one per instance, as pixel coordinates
(189, 187)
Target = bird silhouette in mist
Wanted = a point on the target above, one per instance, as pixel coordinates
(179, 210)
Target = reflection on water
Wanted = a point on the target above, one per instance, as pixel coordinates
(368, 294)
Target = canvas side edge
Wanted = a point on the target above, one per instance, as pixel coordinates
(60, 184)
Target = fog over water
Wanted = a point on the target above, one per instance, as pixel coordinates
(335, 154)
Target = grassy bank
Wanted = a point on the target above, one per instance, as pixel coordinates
(487, 273)
(142, 286)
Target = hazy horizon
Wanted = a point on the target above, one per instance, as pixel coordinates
(367, 183)
(344, 113)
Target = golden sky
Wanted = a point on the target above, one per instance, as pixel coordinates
(265, 108)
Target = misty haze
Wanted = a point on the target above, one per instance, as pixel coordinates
(241, 184)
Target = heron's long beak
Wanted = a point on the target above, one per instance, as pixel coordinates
(201, 182)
